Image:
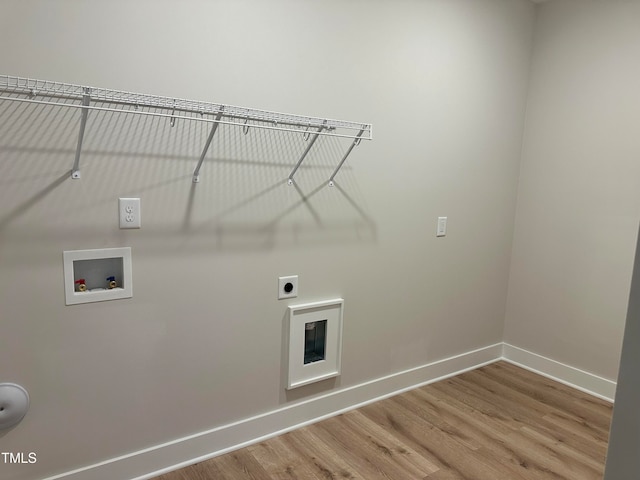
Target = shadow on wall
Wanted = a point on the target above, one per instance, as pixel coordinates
(242, 201)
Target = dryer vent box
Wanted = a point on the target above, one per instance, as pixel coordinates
(315, 342)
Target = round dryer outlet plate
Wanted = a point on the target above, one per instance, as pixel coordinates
(287, 287)
(14, 403)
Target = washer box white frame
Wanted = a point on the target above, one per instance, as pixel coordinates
(124, 290)
(299, 315)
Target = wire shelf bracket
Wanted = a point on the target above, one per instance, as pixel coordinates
(304, 154)
(214, 128)
(355, 143)
(85, 99)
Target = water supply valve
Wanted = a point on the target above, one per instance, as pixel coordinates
(82, 286)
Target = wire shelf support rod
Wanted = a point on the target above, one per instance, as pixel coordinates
(304, 154)
(86, 100)
(214, 128)
(355, 143)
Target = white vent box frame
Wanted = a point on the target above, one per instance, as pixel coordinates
(97, 275)
(315, 342)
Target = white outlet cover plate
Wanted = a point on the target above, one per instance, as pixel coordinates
(129, 209)
(282, 281)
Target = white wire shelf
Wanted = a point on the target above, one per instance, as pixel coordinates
(85, 99)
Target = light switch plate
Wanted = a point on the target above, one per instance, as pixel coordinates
(442, 227)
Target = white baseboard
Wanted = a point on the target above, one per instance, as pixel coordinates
(571, 376)
(208, 444)
(151, 462)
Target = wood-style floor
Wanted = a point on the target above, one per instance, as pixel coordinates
(499, 422)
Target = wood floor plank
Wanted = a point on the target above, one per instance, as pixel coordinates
(591, 464)
(431, 410)
(390, 446)
(240, 465)
(371, 457)
(551, 393)
(534, 408)
(499, 422)
(281, 461)
(574, 429)
(521, 415)
(515, 407)
(491, 434)
(479, 401)
(435, 444)
(326, 461)
(552, 461)
(591, 437)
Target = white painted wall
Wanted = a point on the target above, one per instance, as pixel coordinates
(200, 343)
(579, 192)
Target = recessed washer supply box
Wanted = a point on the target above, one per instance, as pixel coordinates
(97, 275)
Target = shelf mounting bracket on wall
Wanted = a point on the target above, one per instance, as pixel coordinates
(306, 151)
(86, 99)
(214, 127)
(355, 143)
